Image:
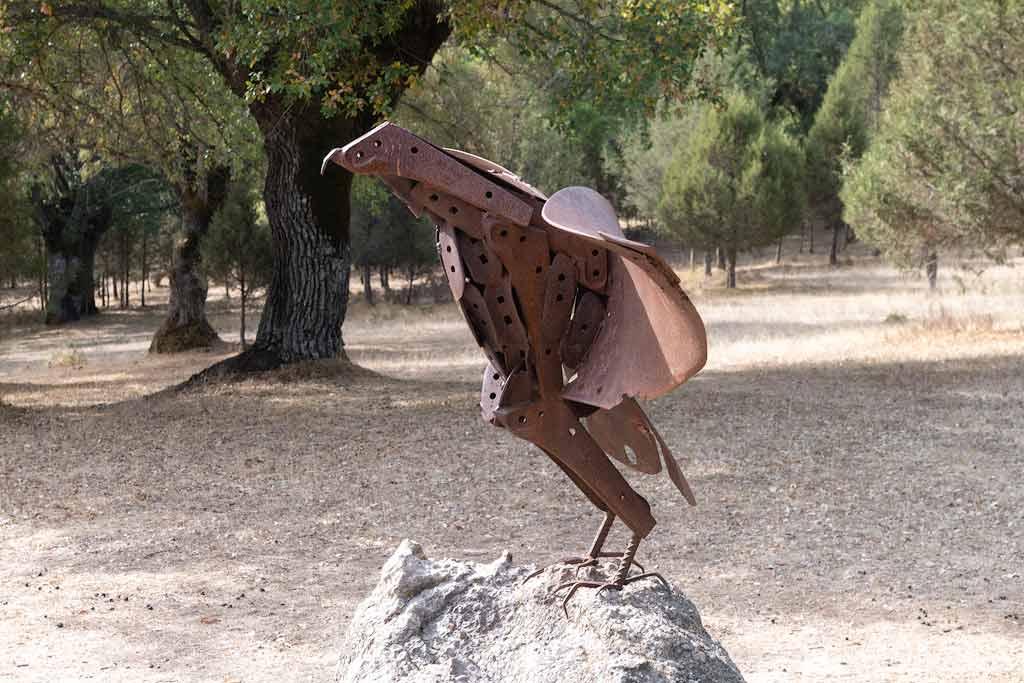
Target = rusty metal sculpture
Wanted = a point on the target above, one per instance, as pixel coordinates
(576, 321)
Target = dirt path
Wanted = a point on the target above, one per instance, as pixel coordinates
(860, 511)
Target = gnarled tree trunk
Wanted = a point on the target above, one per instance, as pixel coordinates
(309, 219)
(186, 326)
(71, 227)
(71, 257)
(308, 213)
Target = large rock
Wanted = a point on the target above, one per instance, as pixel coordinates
(434, 621)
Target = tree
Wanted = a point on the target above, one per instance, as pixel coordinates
(851, 109)
(165, 108)
(794, 47)
(237, 249)
(317, 76)
(18, 252)
(75, 204)
(945, 169)
(385, 234)
(735, 183)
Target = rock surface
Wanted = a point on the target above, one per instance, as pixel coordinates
(434, 621)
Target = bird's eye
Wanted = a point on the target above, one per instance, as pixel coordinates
(359, 155)
(376, 143)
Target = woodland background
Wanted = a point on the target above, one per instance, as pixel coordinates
(839, 184)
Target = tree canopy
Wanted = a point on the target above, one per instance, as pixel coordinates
(736, 183)
(944, 170)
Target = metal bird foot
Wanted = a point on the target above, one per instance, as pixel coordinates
(616, 584)
(578, 563)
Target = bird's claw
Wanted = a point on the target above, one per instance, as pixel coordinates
(579, 562)
(602, 586)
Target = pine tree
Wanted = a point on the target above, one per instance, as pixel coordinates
(945, 169)
(736, 183)
(237, 249)
(851, 109)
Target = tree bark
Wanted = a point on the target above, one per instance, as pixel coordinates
(185, 326)
(412, 280)
(707, 263)
(730, 281)
(720, 257)
(778, 252)
(385, 284)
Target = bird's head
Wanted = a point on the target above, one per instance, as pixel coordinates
(379, 152)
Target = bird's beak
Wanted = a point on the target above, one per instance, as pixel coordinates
(336, 155)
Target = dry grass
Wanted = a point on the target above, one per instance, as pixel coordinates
(859, 519)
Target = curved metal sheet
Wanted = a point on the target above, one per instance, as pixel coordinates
(581, 211)
(652, 340)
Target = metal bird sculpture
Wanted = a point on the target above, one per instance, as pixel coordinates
(576, 321)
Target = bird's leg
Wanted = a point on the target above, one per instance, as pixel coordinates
(595, 549)
(619, 580)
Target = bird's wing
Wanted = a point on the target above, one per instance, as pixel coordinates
(652, 338)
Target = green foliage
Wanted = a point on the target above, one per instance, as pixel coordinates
(621, 57)
(385, 233)
(648, 154)
(852, 105)
(19, 252)
(794, 46)
(736, 183)
(237, 249)
(945, 169)
(494, 112)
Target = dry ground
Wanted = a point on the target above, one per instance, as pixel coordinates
(860, 511)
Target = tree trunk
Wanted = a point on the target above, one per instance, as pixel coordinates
(730, 281)
(308, 212)
(707, 263)
(186, 326)
(931, 269)
(309, 216)
(693, 262)
(720, 257)
(833, 254)
(44, 274)
(244, 294)
(385, 283)
(145, 273)
(778, 252)
(368, 283)
(71, 256)
(810, 237)
(126, 301)
(412, 279)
